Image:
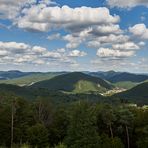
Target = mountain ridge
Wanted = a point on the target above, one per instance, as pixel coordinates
(67, 82)
(115, 77)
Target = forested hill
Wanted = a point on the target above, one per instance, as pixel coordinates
(137, 94)
(75, 81)
(115, 77)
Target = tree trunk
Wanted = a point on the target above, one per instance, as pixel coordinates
(111, 131)
(39, 110)
(127, 134)
(12, 122)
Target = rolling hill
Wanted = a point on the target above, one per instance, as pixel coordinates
(31, 78)
(115, 77)
(118, 79)
(104, 75)
(74, 82)
(128, 77)
(138, 94)
(6, 75)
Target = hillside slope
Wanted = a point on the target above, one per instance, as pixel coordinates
(75, 81)
(31, 78)
(126, 84)
(138, 94)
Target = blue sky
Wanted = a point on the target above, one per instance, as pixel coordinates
(70, 35)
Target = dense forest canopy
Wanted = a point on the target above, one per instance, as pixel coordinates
(79, 124)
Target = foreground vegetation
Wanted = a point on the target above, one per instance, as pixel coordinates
(79, 124)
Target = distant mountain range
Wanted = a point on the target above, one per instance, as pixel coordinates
(6, 75)
(120, 79)
(70, 84)
(115, 77)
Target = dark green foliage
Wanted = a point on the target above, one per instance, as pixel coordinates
(6, 89)
(125, 119)
(107, 142)
(105, 119)
(124, 116)
(43, 111)
(5, 125)
(58, 128)
(82, 129)
(55, 96)
(23, 119)
(75, 120)
(141, 127)
(38, 136)
(142, 143)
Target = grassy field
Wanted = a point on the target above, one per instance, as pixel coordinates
(125, 84)
(86, 86)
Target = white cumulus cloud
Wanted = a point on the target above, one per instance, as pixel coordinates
(77, 53)
(106, 30)
(10, 9)
(22, 53)
(54, 36)
(46, 18)
(111, 53)
(127, 3)
(126, 46)
(139, 30)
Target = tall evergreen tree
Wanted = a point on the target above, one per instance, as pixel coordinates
(38, 136)
(125, 118)
(82, 131)
(106, 114)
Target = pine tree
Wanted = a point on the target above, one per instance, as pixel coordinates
(38, 136)
(82, 130)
